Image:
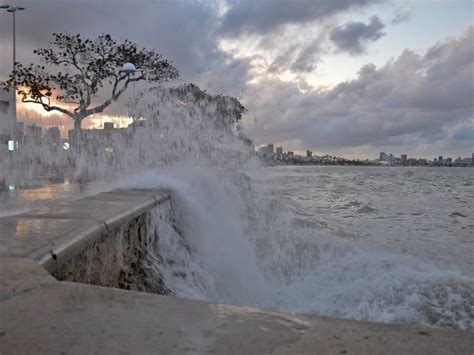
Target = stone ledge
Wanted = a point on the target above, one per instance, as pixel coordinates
(45, 316)
(53, 234)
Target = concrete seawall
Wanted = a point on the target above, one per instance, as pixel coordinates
(69, 282)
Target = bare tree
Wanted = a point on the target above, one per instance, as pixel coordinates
(75, 69)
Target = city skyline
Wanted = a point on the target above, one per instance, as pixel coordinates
(58, 136)
(272, 152)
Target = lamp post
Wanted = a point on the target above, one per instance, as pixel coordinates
(129, 68)
(13, 10)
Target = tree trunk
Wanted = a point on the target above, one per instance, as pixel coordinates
(77, 125)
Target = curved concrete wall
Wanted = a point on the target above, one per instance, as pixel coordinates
(116, 259)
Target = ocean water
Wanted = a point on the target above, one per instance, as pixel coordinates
(395, 244)
(423, 212)
(390, 245)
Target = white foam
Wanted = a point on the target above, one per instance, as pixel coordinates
(267, 261)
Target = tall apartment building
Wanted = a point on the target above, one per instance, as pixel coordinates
(7, 116)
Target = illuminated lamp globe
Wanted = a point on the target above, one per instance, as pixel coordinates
(129, 68)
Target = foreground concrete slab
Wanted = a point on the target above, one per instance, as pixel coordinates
(41, 315)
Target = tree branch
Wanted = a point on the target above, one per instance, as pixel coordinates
(83, 67)
(49, 107)
(114, 97)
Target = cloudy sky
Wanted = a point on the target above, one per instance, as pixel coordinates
(346, 77)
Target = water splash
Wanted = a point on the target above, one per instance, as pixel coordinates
(225, 256)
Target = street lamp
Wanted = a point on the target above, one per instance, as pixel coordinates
(129, 68)
(13, 10)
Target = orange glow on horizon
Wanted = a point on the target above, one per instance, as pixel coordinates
(32, 113)
(38, 108)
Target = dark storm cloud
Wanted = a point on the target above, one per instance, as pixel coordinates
(353, 36)
(264, 16)
(187, 32)
(299, 58)
(184, 31)
(412, 100)
(307, 59)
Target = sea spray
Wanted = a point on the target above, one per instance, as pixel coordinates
(268, 260)
(214, 260)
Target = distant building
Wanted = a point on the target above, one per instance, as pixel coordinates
(20, 130)
(4, 143)
(309, 153)
(53, 135)
(108, 126)
(7, 114)
(440, 159)
(270, 148)
(138, 123)
(403, 158)
(290, 154)
(466, 162)
(279, 152)
(382, 156)
(267, 151)
(33, 133)
(94, 140)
